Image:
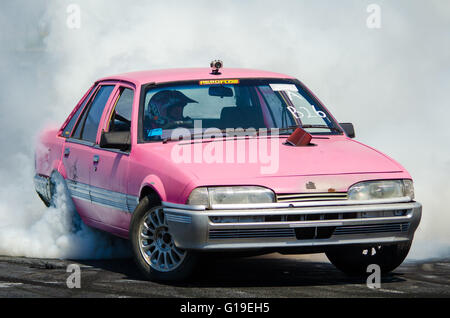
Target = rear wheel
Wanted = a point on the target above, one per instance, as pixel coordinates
(154, 249)
(354, 260)
(53, 191)
(46, 202)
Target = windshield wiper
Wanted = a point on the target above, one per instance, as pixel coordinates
(235, 133)
(244, 133)
(322, 126)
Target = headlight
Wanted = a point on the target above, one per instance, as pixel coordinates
(386, 189)
(230, 195)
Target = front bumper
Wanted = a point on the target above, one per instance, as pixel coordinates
(292, 225)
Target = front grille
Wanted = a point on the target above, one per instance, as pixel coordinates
(251, 233)
(307, 233)
(302, 197)
(375, 228)
(325, 232)
(307, 217)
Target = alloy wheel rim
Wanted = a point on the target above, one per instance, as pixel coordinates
(156, 242)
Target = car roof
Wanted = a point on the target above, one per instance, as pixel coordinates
(186, 74)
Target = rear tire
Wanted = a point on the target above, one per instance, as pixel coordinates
(154, 250)
(45, 201)
(52, 189)
(354, 260)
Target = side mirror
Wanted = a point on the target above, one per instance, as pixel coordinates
(348, 129)
(116, 140)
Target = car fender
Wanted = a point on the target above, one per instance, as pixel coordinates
(154, 182)
(61, 169)
(48, 153)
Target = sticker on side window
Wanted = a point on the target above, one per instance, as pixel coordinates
(219, 82)
(154, 132)
(283, 87)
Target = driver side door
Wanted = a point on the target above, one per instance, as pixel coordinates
(109, 168)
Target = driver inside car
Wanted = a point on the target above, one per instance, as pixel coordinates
(165, 109)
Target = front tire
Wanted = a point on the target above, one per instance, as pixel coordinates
(354, 260)
(154, 249)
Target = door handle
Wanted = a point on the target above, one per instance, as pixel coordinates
(96, 159)
(66, 152)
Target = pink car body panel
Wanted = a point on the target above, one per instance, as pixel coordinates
(336, 162)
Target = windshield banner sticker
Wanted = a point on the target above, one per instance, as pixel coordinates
(219, 82)
(283, 87)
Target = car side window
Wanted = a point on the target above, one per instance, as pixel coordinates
(121, 115)
(87, 127)
(69, 127)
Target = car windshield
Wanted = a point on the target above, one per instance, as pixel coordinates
(232, 104)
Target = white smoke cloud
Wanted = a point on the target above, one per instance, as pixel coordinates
(29, 229)
(390, 82)
(56, 232)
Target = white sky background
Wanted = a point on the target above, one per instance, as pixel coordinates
(392, 83)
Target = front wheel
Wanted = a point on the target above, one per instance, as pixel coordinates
(154, 249)
(354, 260)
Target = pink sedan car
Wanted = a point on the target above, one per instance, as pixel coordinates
(188, 161)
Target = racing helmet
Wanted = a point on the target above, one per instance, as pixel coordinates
(161, 102)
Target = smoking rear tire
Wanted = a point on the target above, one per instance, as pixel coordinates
(154, 250)
(354, 260)
(52, 181)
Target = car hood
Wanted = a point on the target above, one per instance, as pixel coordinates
(218, 160)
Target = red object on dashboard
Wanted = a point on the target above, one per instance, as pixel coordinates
(299, 137)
